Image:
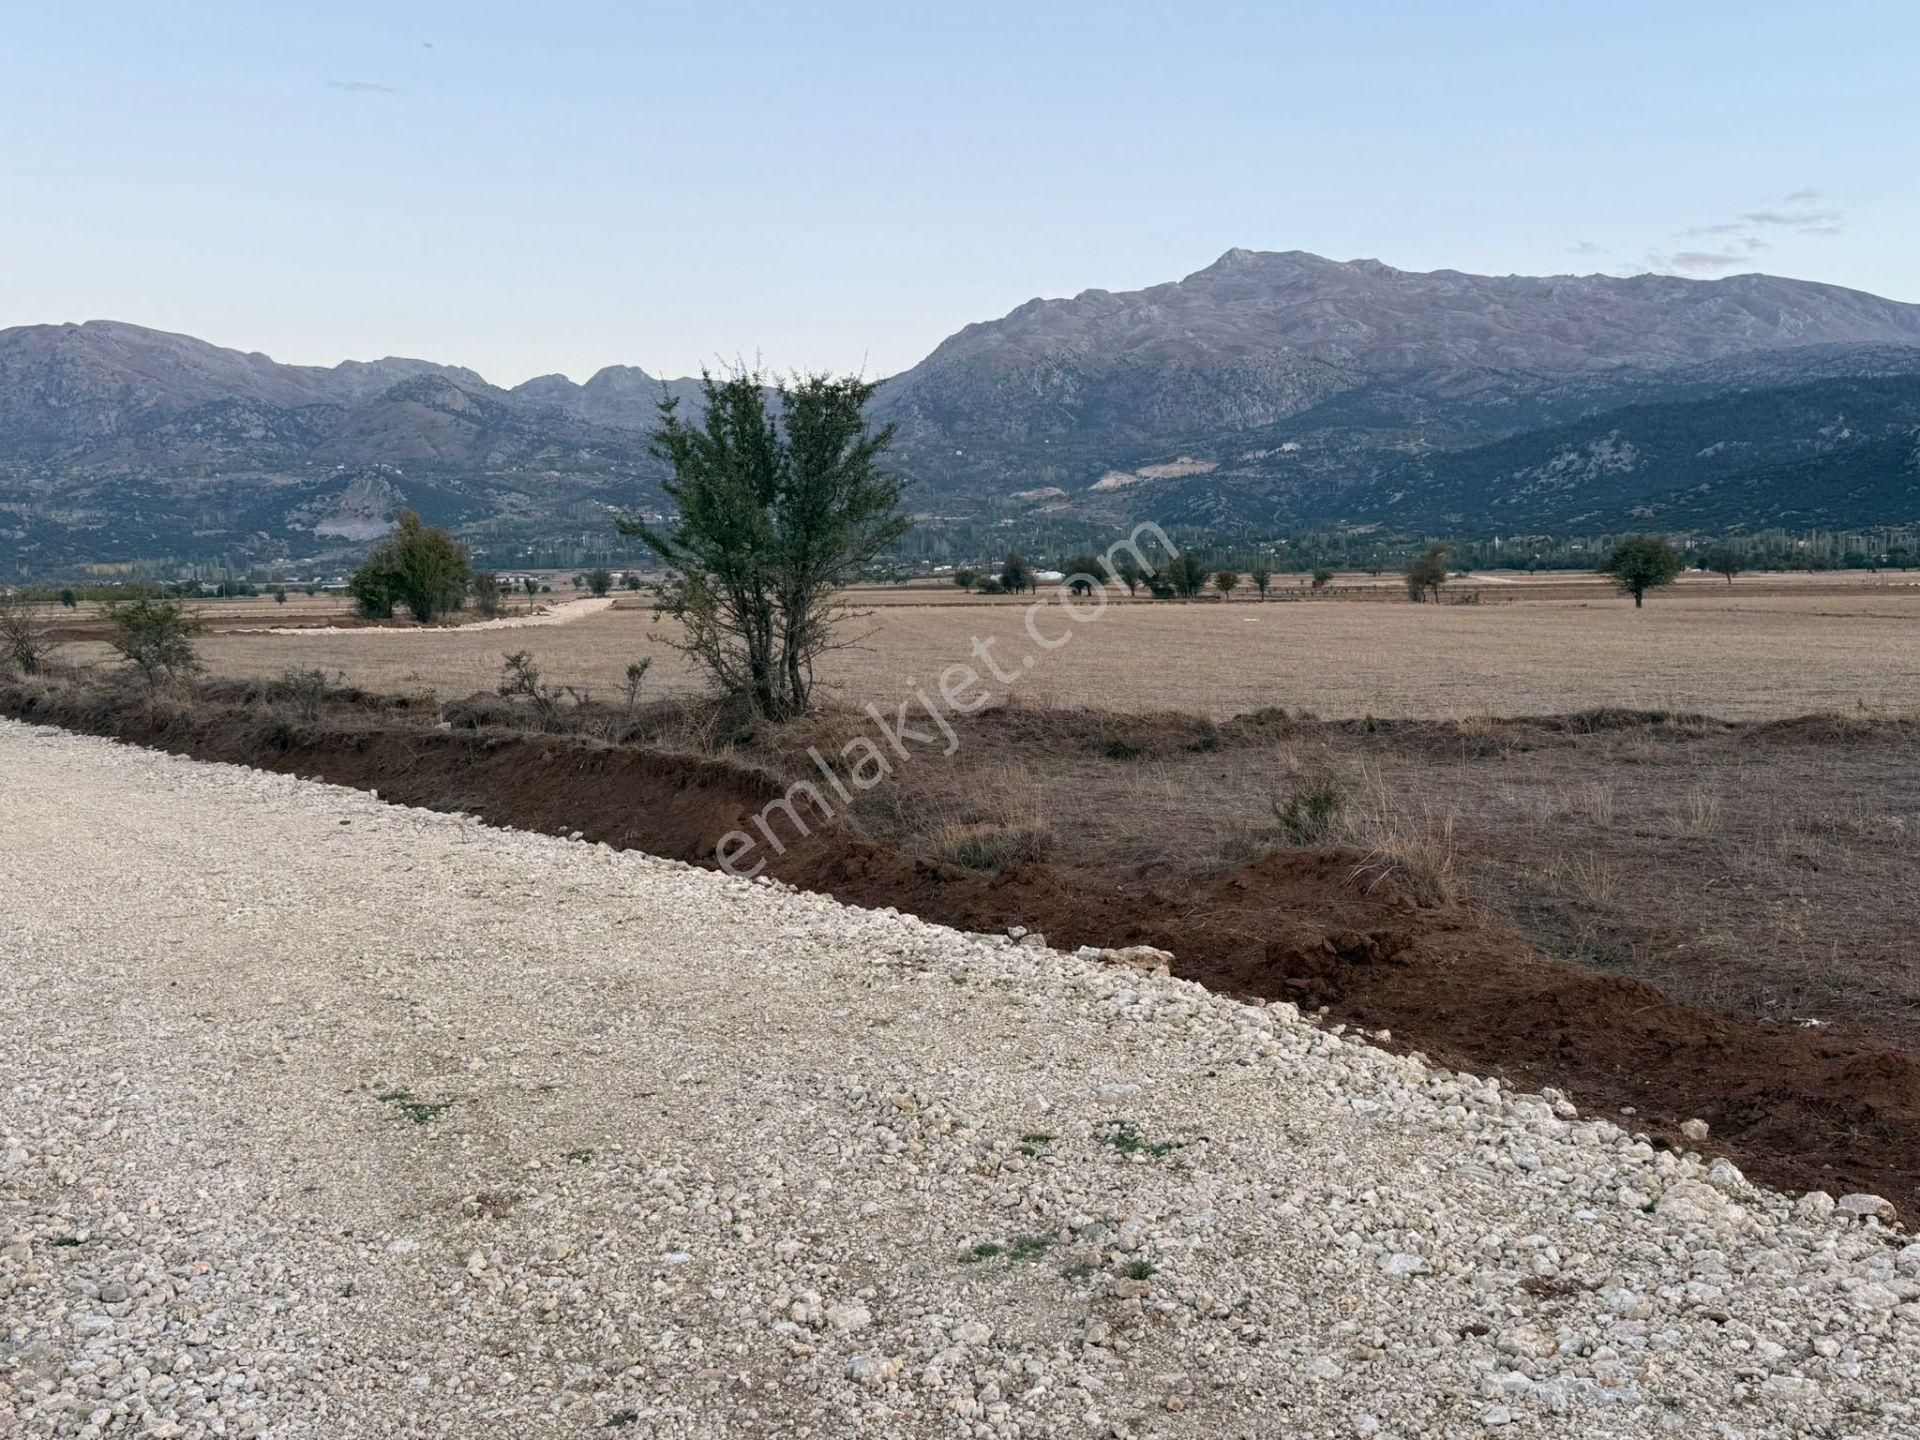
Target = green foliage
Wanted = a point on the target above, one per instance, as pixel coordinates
(418, 566)
(69, 599)
(631, 582)
(487, 594)
(636, 677)
(531, 585)
(1016, 576)
(1085, 573)
(1186, 575)
(599, 581)
(964, 578)
(1131, 575)
(1261, 577)
(1309, 812)
(1641, 563)
(154, 636)
(1426, 575)
(1724, 560)
(777, 512)
(1226, 582)
(1322, 577)
(520, 680)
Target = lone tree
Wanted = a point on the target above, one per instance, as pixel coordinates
(1261, 577)
(599, 581)
(964, 578)
(1131, 575)
(1641, 563)
(1186, 575)
(1724, 560)
(1085, 574)
(1322, 577)
(418, 566)
(1427, 574)
(1226, 582)
(1016, 576)
(777, 512)
(154, 636)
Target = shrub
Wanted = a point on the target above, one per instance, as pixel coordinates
(964, 578)
(636, 676)
(1016, 576)
(599, 581)
(418, 566)
(520, 680)
(304, 690)
(1226, 582)
(1309, 812)
(991, 847)
(155, 637)
(777, 512)
(26, 640)
(487, 594)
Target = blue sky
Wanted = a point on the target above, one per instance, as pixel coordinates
(527, 189)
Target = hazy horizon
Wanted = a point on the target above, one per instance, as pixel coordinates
(529, 194)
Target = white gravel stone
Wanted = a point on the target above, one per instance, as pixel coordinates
(739, 1161)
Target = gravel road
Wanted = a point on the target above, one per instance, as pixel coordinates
(320, 1117)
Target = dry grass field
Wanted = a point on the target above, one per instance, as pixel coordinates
(1768, 647)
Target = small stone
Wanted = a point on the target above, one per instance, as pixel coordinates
(1814, 1205)
(848, 1318)
(1866, 1207)
(1694, 1129)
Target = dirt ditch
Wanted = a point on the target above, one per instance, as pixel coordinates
(1825, 1108)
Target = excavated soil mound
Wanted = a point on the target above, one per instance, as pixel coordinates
(1798, 1108)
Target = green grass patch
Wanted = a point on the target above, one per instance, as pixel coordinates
(1128, 1141)
(420, 1112)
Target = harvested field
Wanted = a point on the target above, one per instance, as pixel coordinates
(325, 1117)
(1757, 651)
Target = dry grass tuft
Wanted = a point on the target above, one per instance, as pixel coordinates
(1416, 851)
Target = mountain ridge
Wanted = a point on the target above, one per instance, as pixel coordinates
(1269, 387)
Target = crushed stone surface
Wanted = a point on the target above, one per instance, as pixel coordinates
(562, 613)
(321, 1117)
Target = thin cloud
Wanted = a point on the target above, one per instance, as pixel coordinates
(1586, 247)
(1803, 212)
(1707, 261)
(363, 87)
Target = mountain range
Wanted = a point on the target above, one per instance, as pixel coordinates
(1267, 391)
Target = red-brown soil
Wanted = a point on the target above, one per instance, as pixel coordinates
(1798, 1108)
